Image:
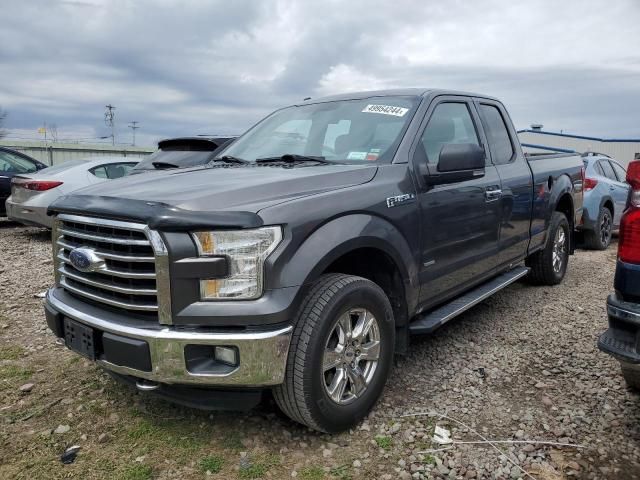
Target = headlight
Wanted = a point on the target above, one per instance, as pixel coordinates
(246, 251)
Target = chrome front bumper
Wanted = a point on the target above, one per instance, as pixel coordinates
(262, 354)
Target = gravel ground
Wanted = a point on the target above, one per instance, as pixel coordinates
(521, 366)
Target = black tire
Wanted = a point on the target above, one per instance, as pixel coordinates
(303, 396)
(631, 376)
(542, 262)
(600, 237)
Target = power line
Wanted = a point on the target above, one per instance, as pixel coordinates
(133, 126)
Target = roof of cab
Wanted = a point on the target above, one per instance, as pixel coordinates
(395, 92)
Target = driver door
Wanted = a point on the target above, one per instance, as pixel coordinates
(459, 220)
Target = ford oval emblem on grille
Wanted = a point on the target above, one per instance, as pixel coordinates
(86, 260)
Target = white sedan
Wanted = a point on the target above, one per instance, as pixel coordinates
(31, 194)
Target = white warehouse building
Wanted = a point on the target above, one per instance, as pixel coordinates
(536, 140)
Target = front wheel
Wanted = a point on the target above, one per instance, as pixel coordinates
(340, 355)
(549, 265)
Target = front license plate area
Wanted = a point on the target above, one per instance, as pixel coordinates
(80, 338)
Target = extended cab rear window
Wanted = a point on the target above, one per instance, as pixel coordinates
(497, 134)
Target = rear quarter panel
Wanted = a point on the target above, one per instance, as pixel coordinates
(553, 177)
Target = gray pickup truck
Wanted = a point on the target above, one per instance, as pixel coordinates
(307, 251)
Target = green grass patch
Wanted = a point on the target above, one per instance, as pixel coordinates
(12, 352)
(11, 372)
(384, 442)
(212, 464)
(136, 472)
(311, 473)
(257, 470)
(177, 436)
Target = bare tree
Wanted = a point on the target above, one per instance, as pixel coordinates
(53, 131)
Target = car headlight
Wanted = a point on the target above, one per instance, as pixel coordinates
(245, 251)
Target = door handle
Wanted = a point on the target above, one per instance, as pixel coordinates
(492, 195)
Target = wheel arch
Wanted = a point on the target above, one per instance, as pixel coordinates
(363, 245)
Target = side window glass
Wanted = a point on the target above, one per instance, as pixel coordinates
(497, 134)
(608, 171)
(115, 170)
(598, 168)
(449, 123)
(100, 172)
(621, 173)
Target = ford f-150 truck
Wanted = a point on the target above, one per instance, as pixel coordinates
(622, 338)
(302, 257)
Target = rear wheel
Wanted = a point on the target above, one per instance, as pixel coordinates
(340, 354)
(549, 265)
(600, 237)
(631, 374)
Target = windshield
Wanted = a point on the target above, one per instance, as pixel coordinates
(350, 131)
(174, 158)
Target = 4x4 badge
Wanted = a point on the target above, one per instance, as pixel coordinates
(400, 199)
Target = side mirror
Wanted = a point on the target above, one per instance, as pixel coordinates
(455, 157)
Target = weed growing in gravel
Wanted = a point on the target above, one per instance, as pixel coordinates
(430, 459)
(384, 442)
(136, 472)
(341, 472)
(311, 473)
(12, 352)
(258, 469)
(212, 464)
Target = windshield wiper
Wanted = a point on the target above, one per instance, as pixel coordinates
(228, 159)
(163, 165)
(292, 158)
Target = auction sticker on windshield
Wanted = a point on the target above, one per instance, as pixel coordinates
(386, 110)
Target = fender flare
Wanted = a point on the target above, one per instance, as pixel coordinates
(344, 234)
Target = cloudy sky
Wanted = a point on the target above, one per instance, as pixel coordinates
(216, 67)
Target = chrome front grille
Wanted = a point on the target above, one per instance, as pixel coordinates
(127, 278)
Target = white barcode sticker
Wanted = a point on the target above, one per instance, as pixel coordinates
(386, 110)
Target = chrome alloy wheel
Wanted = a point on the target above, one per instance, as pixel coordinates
(605, 229)
(351, 355)
(559, 250)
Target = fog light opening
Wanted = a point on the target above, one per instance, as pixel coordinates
(227, 355)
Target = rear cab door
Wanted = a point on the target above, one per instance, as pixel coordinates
(515, 178)
(459, 220)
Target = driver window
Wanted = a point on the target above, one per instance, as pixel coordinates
(449, 123)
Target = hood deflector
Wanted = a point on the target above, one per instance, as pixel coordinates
(158, 216)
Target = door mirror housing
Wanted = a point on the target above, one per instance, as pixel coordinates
(458, 162)
(456, 157)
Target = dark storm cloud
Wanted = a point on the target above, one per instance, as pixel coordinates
(217, 67)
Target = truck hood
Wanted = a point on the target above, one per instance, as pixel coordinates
(218, 193)
(247, 188)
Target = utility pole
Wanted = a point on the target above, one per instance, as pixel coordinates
(133, 126)
(109, 115)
